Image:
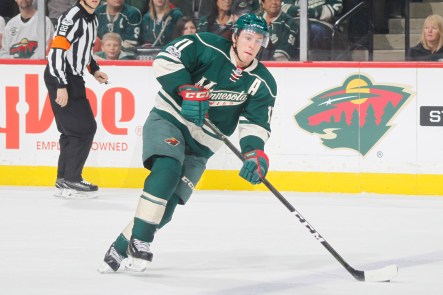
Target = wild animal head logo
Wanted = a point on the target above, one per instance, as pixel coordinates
(355, 115)
(23, 49)
(172, 141)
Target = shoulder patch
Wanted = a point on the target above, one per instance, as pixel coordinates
(173, 51)
(67, 22)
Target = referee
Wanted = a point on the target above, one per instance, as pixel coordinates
(70, 56)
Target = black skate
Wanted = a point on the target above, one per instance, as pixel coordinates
(59, 186)
(112, 261)
(79, 189)
(139, 255)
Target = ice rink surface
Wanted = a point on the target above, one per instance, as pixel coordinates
(222, 243)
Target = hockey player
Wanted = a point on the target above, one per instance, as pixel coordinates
(202, 76)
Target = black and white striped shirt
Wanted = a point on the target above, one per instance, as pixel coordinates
(71, 49)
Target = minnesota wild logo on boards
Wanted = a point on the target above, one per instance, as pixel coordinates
(355, 115)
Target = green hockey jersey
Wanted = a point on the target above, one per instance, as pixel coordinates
(324, 10)
(238, 97)
(126, 23)
(159, 32)
(284, 37)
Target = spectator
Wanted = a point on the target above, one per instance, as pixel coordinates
(193, 8)
(252, 5)
(2, 28)
(284, 33)
(57, 7)
(323, 10)
(219, 19)
(430, 47)
(239, 8)
(141, 5)
(112, 48)
(321, 14)
(8, 9)
(119, 17)
(159, 23)
(20, 38)
(185, 25)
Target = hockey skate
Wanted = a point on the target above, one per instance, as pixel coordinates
(59, 185)
(111, 262)
(139, 255)
(78, 190)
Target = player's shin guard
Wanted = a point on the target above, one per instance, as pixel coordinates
(148, 215)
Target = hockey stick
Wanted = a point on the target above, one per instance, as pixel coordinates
(384, 274)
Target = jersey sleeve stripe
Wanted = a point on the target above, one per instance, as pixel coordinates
(247, 129)
(164, 67)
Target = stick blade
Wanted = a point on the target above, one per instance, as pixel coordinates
(384, 274)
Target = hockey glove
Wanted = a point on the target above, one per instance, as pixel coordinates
(255, 166)
(195, 104)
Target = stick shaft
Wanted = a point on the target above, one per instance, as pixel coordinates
(359, 275)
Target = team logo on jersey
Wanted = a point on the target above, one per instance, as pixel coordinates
(274, 38)
(23, 49)
(173, 51)
(221, 98)
(355, 115)
(172, 141)
(13, 31)
(236, 74)
(67, 22)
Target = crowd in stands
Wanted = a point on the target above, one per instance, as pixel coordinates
(20, 34)
(141, 27)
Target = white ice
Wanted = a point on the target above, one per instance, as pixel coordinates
(222, 243)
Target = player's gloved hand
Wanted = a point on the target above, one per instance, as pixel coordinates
(195, 104)
(255, 166)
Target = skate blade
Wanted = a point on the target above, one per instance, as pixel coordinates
(73, 194)
(104, 268)
(58, 192)
(136, 264)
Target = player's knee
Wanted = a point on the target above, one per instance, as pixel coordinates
(164, 177)
(169, 167)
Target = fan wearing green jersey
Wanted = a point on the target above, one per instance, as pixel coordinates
(219, 20)
(159, 23)
(322, 14)
(119, 17)
(284, 33)
(201, 76)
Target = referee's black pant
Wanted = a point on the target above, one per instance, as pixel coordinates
(75, 122)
